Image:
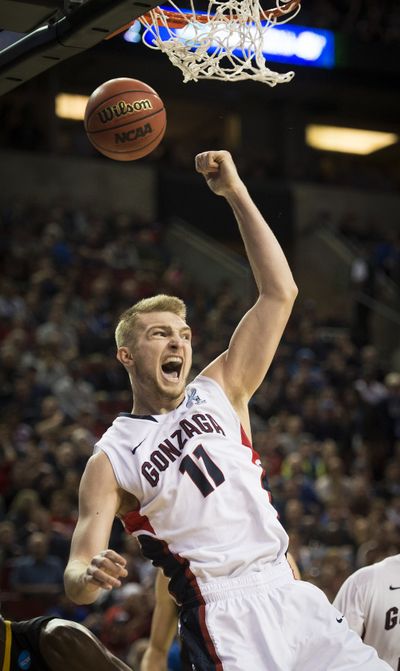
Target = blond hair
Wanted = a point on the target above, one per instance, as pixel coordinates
(128, 320)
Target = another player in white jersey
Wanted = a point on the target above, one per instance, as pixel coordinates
(181, 473)
(370, 601)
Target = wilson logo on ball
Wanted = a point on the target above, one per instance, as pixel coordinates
(125, 119)
(122, 108)
(133, 134)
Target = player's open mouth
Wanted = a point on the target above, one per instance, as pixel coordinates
(171, 368)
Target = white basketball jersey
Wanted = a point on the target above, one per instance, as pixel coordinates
(370, 600)
(203, 510)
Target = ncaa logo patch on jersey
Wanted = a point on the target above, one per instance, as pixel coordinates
(193, 397)
(24, 660)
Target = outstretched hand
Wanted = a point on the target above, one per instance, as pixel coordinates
(219, 171)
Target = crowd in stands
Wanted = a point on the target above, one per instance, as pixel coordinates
(367, 20)
(326, 422)
(381, 249)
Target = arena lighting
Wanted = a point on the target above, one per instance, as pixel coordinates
(70, 106)
(348, 140)
(285, 44)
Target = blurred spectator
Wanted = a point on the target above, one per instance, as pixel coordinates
(9, 550)
(392, 402)
(38, 573)
(120, 254)
(334, 528)
(126, 622)
(334, 484)
(292, 435)
(389, 486)
(362, 279)
(58, 331)
(61, 524)
(330, 571)
(22, 505)
(73, 393)
(7, 458)
(373, 396)
(52, 418)
(67, 610)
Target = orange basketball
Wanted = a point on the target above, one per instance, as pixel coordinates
(125, 119)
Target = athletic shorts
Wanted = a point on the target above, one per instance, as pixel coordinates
(23, 650)
(269, 621)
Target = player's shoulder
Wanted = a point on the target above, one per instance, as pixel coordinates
(394, 560)
(114, 434)
(124, 426)
(381, 567)
(203, 381)
(207, 387)
(388, 569)
(367, 574)
(360, 578)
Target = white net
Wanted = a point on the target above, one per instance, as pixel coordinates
(225, 43)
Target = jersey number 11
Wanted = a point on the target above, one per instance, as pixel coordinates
(189, 466)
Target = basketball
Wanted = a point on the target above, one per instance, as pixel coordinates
(125, 119)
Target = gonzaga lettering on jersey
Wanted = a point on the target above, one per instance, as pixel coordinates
(172, 447)
(203, 511)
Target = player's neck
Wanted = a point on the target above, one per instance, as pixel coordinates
(155, 405)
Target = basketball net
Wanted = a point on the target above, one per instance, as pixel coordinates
(223, 43)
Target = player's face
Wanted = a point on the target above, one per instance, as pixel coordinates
(162, 355)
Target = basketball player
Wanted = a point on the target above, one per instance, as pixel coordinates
(52, 644)
(181, 474)
(370, 601)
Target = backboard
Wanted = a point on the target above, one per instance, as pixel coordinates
(36, 35)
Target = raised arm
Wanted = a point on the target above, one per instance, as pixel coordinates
(92, 566)
(241, 369)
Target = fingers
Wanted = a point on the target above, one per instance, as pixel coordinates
(114, 557)
(209, 161)
(101, 579)
(106, 569)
